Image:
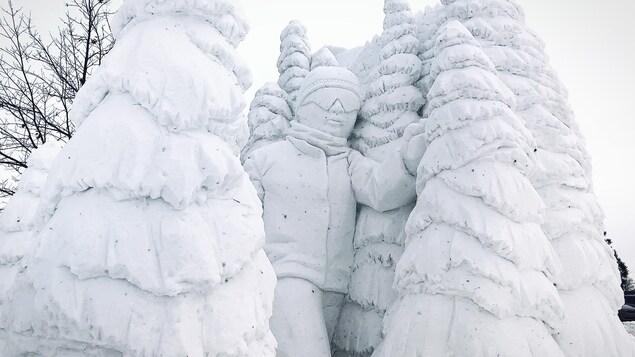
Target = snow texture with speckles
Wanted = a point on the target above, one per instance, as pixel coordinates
(294, 62)
(388, 68)
(573, 219)
(475, 275)
(268, 118)
(18, 223)
(152, 233)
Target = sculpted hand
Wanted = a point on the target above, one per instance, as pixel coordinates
(414, 147)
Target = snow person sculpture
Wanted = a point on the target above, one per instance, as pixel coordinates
(310, 184)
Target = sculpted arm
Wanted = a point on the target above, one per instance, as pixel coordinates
(390, 184)
(252, 168)
(382, 186)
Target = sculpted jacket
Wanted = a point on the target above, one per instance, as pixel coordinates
(310, 206)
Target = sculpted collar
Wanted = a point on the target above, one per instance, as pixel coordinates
(316, 139)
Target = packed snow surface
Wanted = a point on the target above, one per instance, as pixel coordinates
(152, 236)
(388, 67)
(474, 278)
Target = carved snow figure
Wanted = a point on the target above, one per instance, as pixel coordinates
(272, 106)
(268, 118)
(573, 219)
(294, 61)
(17, 220)
(310, 185)
(154, 242)
(272, 109)
(474, 278)
(391, 102)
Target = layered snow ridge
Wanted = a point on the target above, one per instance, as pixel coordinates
(18, 222)
(475, 277)
(391, 102)
(152, 242)
(294, 62)
(573, 219)
(324, 58)
(269, 116)
(272, 108)
(205, 84)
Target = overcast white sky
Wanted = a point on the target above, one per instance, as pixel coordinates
(591, 44)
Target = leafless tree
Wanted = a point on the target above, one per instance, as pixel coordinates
(39, 78)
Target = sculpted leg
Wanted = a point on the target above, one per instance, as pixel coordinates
(332, 305)
(298, 320)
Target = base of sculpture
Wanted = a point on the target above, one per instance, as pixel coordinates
(304, 318)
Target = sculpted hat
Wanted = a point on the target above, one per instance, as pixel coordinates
(328, 77)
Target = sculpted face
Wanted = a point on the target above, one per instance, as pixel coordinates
(331, 110)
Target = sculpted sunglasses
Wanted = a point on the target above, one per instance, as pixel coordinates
(335, 100)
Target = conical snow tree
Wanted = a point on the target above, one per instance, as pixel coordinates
(391, 102)
(573, 220)
(17, 220)
(294, 62)
(153, 245)
(272, 108)
(268, 118)
(323, 57)
(427, 24)
(474, 279)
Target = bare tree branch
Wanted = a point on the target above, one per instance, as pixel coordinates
(39, 78)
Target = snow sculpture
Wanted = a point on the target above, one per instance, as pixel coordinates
(275, 102)
(273, 105)
(309, 185)
(154, 242)
(474, 278)
(269, 117)
(323, 57)
(294, 62)
(17, 221)
(573, 219)
(427, 23)
(272, 109)
(391, 102)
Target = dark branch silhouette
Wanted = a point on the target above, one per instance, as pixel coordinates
(39, 78)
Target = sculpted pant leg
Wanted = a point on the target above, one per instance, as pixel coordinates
(332, 303)
(298, 320)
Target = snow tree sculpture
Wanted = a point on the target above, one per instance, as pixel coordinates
(269, 116)
(427, 23)
(573, 219)
(154, 242)
(391, 102)
(474, 278)
(17, 220)
(272, 108)
(323, 57)
(294, 61)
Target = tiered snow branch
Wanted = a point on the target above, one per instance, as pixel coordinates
(475, 276)
(391, 103)
(294, 62)
(153, 241)
(573, 219)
